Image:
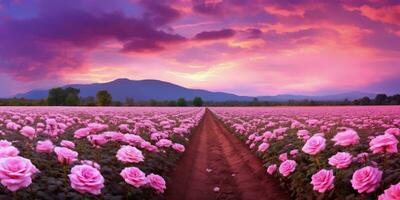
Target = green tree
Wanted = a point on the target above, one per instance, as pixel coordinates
(103, 98)
(56, 97)
(365, 101)
(181, 102)
(72, 100)
(380, 99)
(198, 101)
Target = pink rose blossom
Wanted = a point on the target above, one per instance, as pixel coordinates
(83, 132)
(157, 182)
(384, 143)
(5, 143)
(393, 131)
(303, 134)
(97, 140)
(287, 167)
(45, 146)
(362, 157)
(178, 147)
(346, 138)
(314, 145)
(283, 157)
(164, 143)
(9, 151)
(86, 179)
(366, 179)
(16, 172)
(392, 193)
(67, 143)
(134, 176)
(340, 160)
(294, 152)
(271, 169)
(263, 147)
(28, 132)
(65, 155)
(323, 180)
(129, 154)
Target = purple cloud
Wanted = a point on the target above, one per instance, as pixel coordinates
(215, 35)
(59, 38)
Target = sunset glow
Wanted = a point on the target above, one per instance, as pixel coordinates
(244, 47)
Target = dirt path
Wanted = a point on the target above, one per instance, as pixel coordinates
(231, 167)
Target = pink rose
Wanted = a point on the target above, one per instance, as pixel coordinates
(314, 145)
(287, 167)
(384, 143)
(97, 140)
(80, 133)
(303, 134)
(393, 131)
(134, 176)
(65, 155)
(178, 147)
(346, 138)
(294, 152)
(9, 151)
(67, 143)
(157, 182)
(133, 139)
(16, 172)
(392, 193)
(271, 169)
(362, 157)
(129, 154)
(263, 147)
(45, 146)
(164, 143)
(366, 179)
(283, 157)
(86, 179)
(28, 132)
(5, 143)
(323, 180)
(340, 160)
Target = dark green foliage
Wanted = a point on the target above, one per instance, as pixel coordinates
(198, 101)
(103, 98)
(380, 99)
(72, 100)
(181, 102)
(59, 96)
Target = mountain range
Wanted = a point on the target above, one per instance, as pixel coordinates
(122, 88)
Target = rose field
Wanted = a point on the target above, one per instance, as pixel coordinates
(77, 153)
(200, 153)
(324, 152)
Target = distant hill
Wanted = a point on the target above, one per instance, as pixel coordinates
(121, 89)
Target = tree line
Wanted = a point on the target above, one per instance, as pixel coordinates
(70, 97)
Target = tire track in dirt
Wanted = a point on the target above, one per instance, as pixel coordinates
(235, 170)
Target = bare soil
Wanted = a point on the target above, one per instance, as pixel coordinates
(236, 171)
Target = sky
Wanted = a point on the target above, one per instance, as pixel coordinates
(246, 47)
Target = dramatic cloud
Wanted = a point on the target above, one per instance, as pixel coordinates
(59, 38)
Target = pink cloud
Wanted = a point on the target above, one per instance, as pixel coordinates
(385, 14)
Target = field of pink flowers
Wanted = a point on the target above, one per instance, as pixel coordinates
(324, 152)
(80, 153)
